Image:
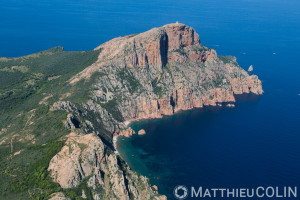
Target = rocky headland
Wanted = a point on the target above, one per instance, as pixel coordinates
(163, 71)
(141, 76)
(147, 75)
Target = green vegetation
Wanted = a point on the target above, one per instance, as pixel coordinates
(228, 59)
(27, 173)
(129, 36)
(104, 89)
(31, 133)
(232, 60)
(158, 84)
(38, 175)
(157, 89)
(76, 193)
(112, 107)
(128, 79)
(200, 49)
(19, 85)
(180, 50)
(218, 81)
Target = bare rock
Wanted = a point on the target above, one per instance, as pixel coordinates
(142, 132)
(250, 69)
(155, 187)
(83, 194)
(58, 196)
(79, 158)
(63, 105)
(85, 156)
(128, 132)
(230, 105)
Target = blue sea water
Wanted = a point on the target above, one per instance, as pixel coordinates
(254, 144)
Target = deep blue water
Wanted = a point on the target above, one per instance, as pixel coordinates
(256, 143)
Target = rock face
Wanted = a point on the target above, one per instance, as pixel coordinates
(165, 70)
(86, 160)
(147, 75)
(128, 132)
(66, 168)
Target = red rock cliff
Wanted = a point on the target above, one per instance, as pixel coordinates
(165, 70)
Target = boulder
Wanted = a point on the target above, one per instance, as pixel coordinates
(142, 132)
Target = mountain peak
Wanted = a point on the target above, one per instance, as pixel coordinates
(153, 48)
(173, 44)
(178, 35)
(181, 35)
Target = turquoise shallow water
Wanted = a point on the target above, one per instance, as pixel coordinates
(255, 143)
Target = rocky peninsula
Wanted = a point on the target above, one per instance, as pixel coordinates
(141, 76)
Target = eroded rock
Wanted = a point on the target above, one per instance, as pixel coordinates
(85, 160)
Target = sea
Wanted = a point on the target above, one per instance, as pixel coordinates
(255, 144)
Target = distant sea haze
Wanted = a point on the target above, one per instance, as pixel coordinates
(255, 143)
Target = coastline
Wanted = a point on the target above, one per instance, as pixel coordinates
(237, 98)
(226, 104)
(218, 104)
(132, 157)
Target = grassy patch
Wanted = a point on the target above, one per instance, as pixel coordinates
(228, 59)
(112, 107)
(26, 174)
(157, 89)
(15, 87)
(129, 80)
(130, 36)
(180, 50)
(36, 179)
(76, 192)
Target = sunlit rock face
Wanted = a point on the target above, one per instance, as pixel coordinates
(165, 70)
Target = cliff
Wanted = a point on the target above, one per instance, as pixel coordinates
(60, 110)
(85, 158)
(165, 70)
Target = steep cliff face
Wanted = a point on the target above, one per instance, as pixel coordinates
(147, 75)
(163, 71)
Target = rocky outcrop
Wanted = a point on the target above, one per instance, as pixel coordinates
(58, 196)
(250, 69)
(77, 160)
(165, 70)
(230, 105)
(86, 160)
(142, 132)
(246, 85)
(127, 132)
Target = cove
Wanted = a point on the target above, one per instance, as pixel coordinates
(209, 147)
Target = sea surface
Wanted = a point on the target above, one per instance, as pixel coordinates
(257, 143)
